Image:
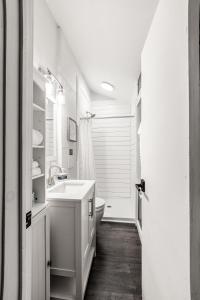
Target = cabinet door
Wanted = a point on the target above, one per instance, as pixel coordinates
(63, 234)
(40, 257)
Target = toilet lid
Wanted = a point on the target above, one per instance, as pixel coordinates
(99, 202)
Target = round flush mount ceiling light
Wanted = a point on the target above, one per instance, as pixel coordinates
(107, 86)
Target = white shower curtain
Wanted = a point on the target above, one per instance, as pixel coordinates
(86, 153)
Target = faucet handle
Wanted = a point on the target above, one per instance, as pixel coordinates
(62, 176)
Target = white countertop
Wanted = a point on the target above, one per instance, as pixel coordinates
(74, 190)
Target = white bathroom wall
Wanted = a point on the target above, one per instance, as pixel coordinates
(51, 50)
(76, 104)
(114, 162)
(45, 36)
(165, 155)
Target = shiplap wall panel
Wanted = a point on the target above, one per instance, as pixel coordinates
(50, 131)
(114, 150)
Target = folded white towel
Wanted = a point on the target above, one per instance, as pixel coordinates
(37, 137)
(35, 164)
(36, 171)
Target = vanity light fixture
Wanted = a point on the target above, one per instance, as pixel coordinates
(60, 97)
(53, 85)
(107, 86)
(49, 89)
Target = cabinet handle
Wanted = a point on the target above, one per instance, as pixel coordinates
(91, 208)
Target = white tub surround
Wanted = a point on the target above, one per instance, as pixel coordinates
(113, 134)
(71, 206)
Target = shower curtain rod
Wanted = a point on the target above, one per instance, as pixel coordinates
(110, 117)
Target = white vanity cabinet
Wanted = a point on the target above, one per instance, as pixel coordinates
(72, 244)
(40, 256)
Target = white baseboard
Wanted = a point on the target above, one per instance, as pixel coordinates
(119, 220)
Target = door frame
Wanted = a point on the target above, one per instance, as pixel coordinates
(27, 121)
(16, 155)
(194, 147)
(12, 102)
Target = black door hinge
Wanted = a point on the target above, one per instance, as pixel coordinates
(28, 219)
(49, 263)
(141, 186)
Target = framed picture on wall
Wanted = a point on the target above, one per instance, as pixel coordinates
(72, 130)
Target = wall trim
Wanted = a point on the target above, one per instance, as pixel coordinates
(119, 220)
(194, 148)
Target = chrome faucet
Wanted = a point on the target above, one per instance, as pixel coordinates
(51, 180)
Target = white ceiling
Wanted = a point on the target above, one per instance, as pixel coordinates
(106, 38)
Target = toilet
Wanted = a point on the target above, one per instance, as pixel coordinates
(99, 207)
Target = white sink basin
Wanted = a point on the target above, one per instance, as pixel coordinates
(70, 189)
(65, 187)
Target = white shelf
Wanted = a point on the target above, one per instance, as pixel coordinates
(38, 147)
(62, 288)
(37, 176)
(37, 107)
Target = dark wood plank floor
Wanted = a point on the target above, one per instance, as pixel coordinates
(116, 270)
